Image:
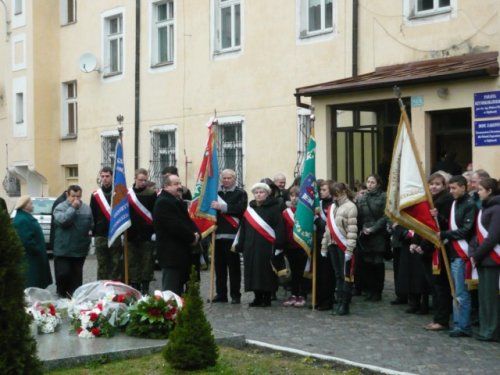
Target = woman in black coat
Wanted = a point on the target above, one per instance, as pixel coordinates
(373, 236)
(261, 237)
(485, 254)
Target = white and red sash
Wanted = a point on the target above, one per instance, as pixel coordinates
(482, 233)
(139, 207)
(289, 215)
(461, 246)
(257, 223)
(335, 232)
(322, 211)
(233, 220)
(103, 203)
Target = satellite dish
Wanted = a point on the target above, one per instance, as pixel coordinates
(87, 63)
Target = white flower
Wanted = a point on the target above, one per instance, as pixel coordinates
(84, 334)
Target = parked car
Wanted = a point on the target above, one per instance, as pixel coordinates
(42, 211)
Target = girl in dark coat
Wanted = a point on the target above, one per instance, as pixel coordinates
(261, 237)
(372, 238)
(31, 235)
(485, 254)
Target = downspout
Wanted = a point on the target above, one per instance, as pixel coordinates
(137, 91)
(355, 23)
(7, 21)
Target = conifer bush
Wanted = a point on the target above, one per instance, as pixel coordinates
(17, 346)
(191, 345)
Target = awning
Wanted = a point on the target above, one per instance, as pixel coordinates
(444, 69)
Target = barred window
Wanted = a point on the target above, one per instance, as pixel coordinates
(108, 144)
(230, 147)
(304, 128)
(12, 185)
(163, 153)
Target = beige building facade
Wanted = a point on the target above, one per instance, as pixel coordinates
(69, 68)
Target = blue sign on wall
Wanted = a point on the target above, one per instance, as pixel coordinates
(487, 133)
(487, 104)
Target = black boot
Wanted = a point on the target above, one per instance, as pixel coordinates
(145, 288)
(344, 309)
(257, 301)
(266, 299)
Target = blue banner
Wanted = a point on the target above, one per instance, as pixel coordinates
(120, 215)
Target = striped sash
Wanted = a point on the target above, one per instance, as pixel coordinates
(103, 203)
(139, 207)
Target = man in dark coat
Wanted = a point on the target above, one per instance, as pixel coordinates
(175, 233)
(230, 207)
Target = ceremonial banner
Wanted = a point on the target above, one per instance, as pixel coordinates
(303, 228)
(408, 199)
(120, 215)
(207, 185)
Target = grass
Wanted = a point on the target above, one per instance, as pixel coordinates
(249, 361)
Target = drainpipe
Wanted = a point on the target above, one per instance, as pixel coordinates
(355, 23)
(137, 91)
(7, 21)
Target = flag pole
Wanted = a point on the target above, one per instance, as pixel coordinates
(314, 272)
(212, 265)
(406, 121)
(125, 240)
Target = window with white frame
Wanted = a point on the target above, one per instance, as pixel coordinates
(71, 174)
(108, 148)
(70, 109)
(316, 17)
(304, 127)
(428, 8)
(18, 7)
(113, 44)
(67, 11)
(228, 25)
(19, 108)
(230, 146)
(163, 152)
(163, 33)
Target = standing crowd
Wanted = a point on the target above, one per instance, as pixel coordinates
(353, 241)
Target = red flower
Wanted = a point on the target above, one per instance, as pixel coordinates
(171, 313)
(155, 312)
(99, 306)
(78, 330)
(95, 331)
(52, 310)
(93, 316)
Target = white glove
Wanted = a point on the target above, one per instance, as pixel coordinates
(348, 256)
(324, 253)
(153, 237)
(277, 252)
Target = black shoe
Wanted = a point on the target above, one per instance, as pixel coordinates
(273, 297)
(235, 301)
(219, 299)
(344, 309)
(356, 292)
(375, 297)
(411, 310)
(255, 303)
(399, 301)
(324, 307)
(265, 304)
(423, 311)
(369, 296)
(459, 333)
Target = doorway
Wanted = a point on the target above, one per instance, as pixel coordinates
(451, 135)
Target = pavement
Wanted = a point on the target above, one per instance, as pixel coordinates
(376, 336)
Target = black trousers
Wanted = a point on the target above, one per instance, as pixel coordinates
(344, 288)
(443, 301)
(325, 280)
(69, 274)
(174, 279)
(297, 258)
(374, 276)
(226, 260)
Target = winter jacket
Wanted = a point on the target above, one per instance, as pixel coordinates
(371, 215)
(491, 221)
(141, 230)
(72, 238)
(345, 214)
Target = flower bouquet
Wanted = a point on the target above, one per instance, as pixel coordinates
(154, 316)
(45, 316)
(93, 322)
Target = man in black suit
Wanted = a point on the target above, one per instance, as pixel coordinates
(176, 234)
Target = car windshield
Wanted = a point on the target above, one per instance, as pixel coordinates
(42, 206)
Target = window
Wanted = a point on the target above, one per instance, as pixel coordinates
(12, 185)
(108, 144)
(304, 127)
(19, 108)
(163, 152)
(228, 25)
(68, 11)
(71, 174)
(230, 146)
(18, 7)
(163, 33)
(113, 44)
(426, 8)
(70, 109)
(316, 17)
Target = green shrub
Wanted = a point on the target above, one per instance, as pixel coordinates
(191, 344)
(17, 346)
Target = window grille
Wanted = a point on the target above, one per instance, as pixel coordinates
(108, 144)
(230, 148)
(162, 154)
